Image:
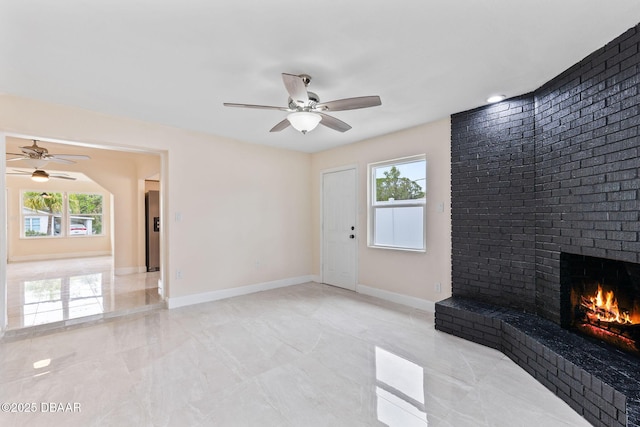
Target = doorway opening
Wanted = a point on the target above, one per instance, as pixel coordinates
(73, 275)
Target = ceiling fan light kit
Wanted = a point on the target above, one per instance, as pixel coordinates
(304, 121)
(306, 110)
(39, 176)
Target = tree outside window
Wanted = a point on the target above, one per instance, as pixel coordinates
(397, 204)
(85, 213)
(45, 213)
(396, 187)
(42, 213)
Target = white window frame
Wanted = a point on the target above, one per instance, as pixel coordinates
(69, 214)
(65, 215)
(373, 204)
(23, 216)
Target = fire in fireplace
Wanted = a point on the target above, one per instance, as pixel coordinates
(604, 299)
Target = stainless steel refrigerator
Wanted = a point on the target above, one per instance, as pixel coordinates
(152, 216)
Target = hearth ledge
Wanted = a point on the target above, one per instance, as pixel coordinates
(600, 383)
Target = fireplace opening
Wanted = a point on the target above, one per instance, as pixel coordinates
(601, 299)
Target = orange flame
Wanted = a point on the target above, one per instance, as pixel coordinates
(603, 306)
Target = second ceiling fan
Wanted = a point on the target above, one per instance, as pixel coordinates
(305, 109)
(38, 156)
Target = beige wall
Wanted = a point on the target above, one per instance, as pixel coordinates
(408, 273)
(244, 210)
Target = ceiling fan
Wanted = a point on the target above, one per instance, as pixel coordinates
(40, 175)
(305, 109)
(38, 156)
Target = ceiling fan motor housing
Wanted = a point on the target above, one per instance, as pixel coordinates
(313, 100)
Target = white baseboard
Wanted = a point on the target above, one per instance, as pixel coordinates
(176, 302)
(316, 278)
(414, 302)
(45, 257)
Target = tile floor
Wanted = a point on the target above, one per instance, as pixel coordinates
(306, 355)
(59, 292)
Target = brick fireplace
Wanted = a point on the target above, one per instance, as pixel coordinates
(601, 299)
(536, 179)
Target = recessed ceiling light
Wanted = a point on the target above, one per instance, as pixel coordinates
(495, 98)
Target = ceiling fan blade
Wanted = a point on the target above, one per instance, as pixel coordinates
(62, 177)
(261, 107)
(350, 103)
(280, 126)
(333, 123)
(68, 156)
(296, 88)
(57, 160)
(17, 172)
(17, 158)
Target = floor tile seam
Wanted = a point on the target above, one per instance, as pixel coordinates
(315, 387)
(493, 366)
(232, 363)
(17, 379)
(269, 401)
(346, 333)
(63, 326)
(404, 410)
(222, 361)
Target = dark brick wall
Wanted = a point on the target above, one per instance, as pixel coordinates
(549, 172)
(587, 159)
(493, 203)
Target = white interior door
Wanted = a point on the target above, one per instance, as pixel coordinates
(339, 233)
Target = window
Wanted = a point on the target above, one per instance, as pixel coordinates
(44, 214)
(85, 214)
(397, 198)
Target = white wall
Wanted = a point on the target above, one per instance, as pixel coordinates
(259, 195)
(411, 274)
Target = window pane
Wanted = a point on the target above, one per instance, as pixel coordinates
(399, 227)
(85, 214)
(401, 181)
(42, 213)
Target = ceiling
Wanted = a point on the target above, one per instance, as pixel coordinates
(175, 62)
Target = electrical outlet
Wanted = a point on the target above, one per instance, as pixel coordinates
(178, 274)
(438, 287)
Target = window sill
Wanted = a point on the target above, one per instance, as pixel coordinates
(397, 248)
